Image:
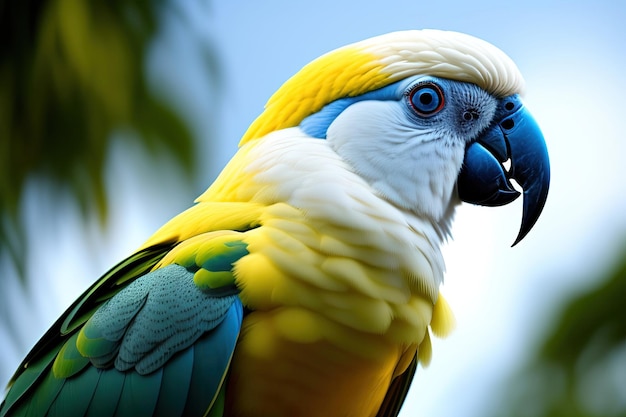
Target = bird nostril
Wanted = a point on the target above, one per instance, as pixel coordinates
(508, 124)
(470, 115)
(509, 106)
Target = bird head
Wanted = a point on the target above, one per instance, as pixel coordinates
(428, 118)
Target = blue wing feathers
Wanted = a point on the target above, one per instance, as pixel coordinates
(175, 385)
(168, 314)
(213, 351)
(160, 346)
(106, 396)
(102, 290)
(186, 385)
(140, 394)
(75, 396)
(35, 366)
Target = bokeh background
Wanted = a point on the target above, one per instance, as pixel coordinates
(114, 115)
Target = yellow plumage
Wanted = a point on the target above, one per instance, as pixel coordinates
(356, 290)
(343, 296)
(373, 63)
(305, 280)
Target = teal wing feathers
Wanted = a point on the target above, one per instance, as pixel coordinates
(34, 367)
(137, 343)
(155, 316)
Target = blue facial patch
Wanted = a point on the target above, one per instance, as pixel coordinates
(316, 125)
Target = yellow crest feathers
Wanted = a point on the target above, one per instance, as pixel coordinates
(376, 62)
(345, 72)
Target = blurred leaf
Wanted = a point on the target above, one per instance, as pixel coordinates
(71, 73)
(580, 368)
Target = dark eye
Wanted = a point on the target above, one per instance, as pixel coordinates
(426, 99)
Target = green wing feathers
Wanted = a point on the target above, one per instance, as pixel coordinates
(153, 337)
(34, 367)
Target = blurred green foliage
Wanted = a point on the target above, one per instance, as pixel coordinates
(579, 369)
(71, 73)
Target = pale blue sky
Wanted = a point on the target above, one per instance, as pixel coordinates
(572, 56)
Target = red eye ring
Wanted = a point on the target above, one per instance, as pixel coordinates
(426, 99)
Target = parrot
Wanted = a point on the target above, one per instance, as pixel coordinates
(305, 281)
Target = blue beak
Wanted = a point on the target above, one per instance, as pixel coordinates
(515, 137)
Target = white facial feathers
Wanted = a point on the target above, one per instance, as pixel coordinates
(411, 159)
